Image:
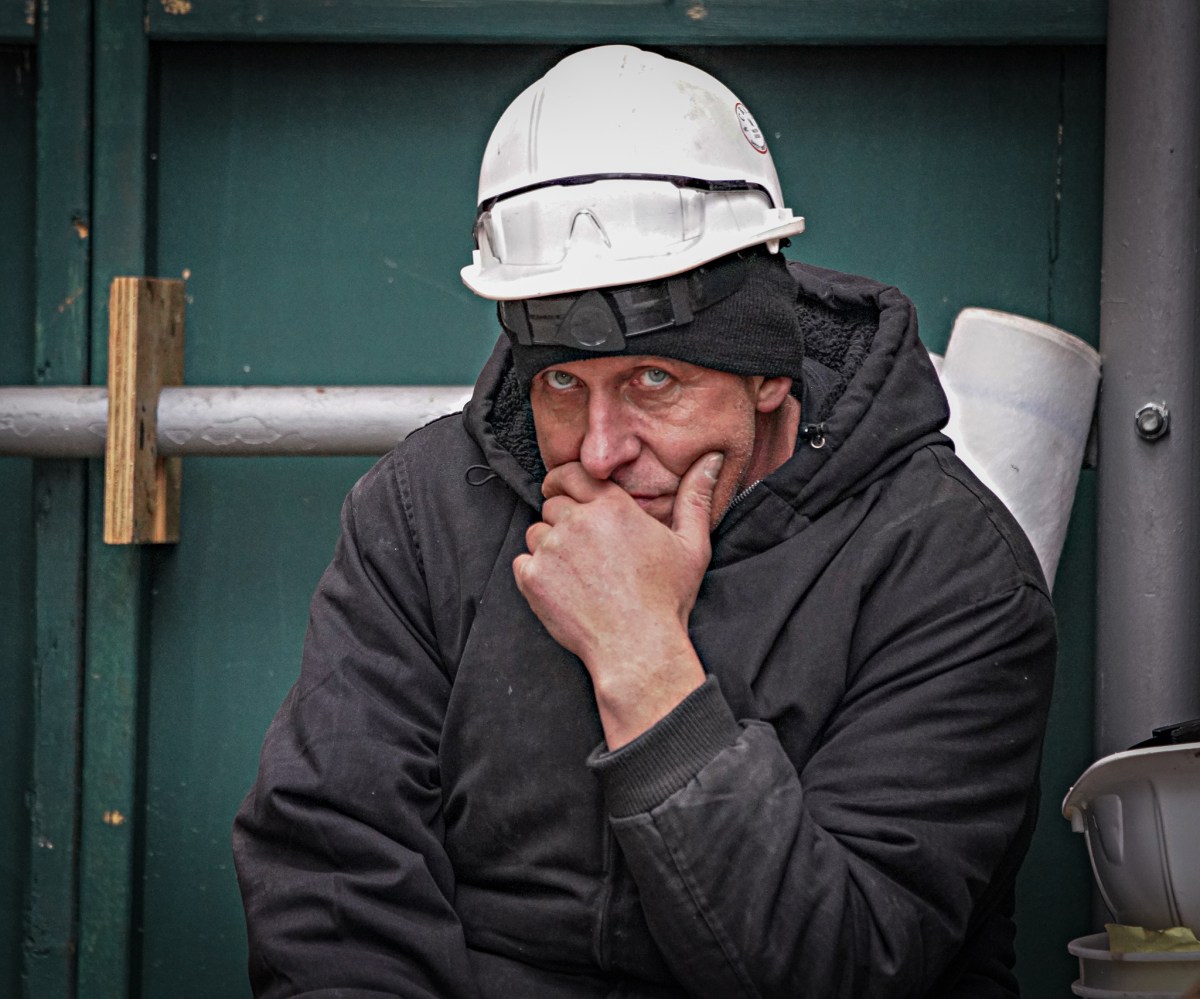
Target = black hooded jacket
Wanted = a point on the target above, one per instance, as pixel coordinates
(839, 811)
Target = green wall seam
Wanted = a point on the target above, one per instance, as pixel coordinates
(110, 810)
(62, 251)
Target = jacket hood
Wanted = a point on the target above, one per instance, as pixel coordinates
(870, 398)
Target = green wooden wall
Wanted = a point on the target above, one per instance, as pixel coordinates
(16, 513)
(318, 196)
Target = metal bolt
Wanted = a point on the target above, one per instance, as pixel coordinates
(1152, 421)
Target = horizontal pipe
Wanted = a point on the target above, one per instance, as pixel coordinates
(258, 421)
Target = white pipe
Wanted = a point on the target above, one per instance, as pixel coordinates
(1021, 395)
(192, 420)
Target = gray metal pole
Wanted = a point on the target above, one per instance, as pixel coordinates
(1148, 554)
(192, 420)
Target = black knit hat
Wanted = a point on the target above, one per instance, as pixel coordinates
(753, 330)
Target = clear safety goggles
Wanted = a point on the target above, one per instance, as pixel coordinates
(614, 217)
(603, 319)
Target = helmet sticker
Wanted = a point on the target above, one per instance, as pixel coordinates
(750, 128)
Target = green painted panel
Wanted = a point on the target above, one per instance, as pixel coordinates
(320, 201)
(60, 340)
(937, 170)
(109, 816)
(662, 22)
(16, 525)
(230, 606)
(110, 827)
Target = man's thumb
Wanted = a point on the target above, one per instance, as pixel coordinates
(692, 516)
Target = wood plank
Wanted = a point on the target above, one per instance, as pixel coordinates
(662, 22)
(145, 352)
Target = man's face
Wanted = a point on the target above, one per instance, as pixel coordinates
(642, 421)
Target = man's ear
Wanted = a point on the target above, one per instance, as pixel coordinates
(771, 393)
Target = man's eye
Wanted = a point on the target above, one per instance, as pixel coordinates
(559, 379)
(655, 376)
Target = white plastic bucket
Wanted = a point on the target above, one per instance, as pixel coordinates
(1104, 975)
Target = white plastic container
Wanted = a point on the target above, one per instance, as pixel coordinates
(1104, 975)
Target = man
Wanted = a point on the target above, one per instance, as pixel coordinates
(687, 660)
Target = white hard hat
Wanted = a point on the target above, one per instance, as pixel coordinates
(619, 167)
(1140, 812)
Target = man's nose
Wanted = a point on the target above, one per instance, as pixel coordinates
(609, 440)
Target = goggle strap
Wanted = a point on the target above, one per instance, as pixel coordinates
(680, 292)
(514, 319)
(601, 319)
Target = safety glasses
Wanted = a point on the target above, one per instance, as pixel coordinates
(614, 217)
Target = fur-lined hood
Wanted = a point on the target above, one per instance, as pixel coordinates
(870, 398)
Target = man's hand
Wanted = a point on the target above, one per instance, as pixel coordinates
(616, 587)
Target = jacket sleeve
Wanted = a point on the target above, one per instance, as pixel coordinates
(864, 869)
(339, 845)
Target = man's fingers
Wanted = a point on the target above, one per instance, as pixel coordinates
(692, 516)
(572, 480)
(520, 564)
(557, 509)
(535, 534)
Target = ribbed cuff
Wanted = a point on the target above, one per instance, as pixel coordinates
(664, 758)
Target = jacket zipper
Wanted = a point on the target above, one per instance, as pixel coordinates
(601, 944)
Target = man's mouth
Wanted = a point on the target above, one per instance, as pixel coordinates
(658, 505)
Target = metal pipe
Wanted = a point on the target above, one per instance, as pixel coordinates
(262, 421)
(1148, 572)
